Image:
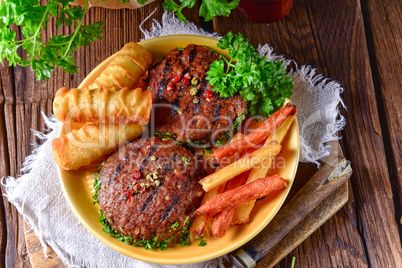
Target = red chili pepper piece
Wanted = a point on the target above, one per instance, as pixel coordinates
(127, 192)
(209, 93)
(187, 75)
(185, 82)
(176, 78)
(130, 198)
(169, 87)
(136, 174)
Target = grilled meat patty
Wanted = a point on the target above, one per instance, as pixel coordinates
(184, 102)
(148, 186)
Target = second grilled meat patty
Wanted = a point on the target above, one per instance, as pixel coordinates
(185, 103)
(149, 189)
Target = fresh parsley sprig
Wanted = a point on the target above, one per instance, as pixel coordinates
(30, 47)
(263, 84)
(32, 17)
(208, 8)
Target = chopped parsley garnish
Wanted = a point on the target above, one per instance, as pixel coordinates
(238, 122)
(184, 159)
(97, 185)
(180, 48)
(226, 136)
(184, 239)
(175, 225)
(220, 143)
(263, 84)
(208, 150)
(203, 242)
(151, 243)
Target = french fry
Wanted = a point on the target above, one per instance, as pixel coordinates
(125, 106)
(258, 136)
(240, 166)
(201, 221)
(243, 194)
(223, 220)
(90, 143)
(242, 213)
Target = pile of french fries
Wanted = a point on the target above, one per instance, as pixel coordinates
(231, 191)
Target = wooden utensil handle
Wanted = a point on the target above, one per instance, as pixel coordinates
(324, 182)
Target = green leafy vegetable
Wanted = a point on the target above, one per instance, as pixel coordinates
(175, 225)
(184, 159)
(263, 84)
(97, 184)
(212, 8)
(203, 242)
(238, 122)
(42, 55)
(220, 143)
(226, 136)
(208, 8)
(32, 17)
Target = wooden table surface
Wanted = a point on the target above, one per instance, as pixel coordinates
(358, 43)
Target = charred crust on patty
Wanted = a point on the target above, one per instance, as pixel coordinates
(164, 195)
(185, 103)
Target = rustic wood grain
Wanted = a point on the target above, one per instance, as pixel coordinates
(323, 212)
(37, 257)
(363, 141)
(301, 37)
(385, 42)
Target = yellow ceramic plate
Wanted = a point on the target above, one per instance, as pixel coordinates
(78, 189)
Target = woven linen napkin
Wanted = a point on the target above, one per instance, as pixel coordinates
(39, 198)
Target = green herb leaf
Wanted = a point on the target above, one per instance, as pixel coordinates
(174, 226)
(292, 265)
(208, 8)
(203, 242)
(184, 159)
(212, 8)
(263, 84)
(151, 243)
(40, 55)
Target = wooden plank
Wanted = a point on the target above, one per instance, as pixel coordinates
(363, 140)
(298, 37)
(4, 167)
(323, 212)
(36, 254)
(327, 35)
(385, 43)
(24, 98)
